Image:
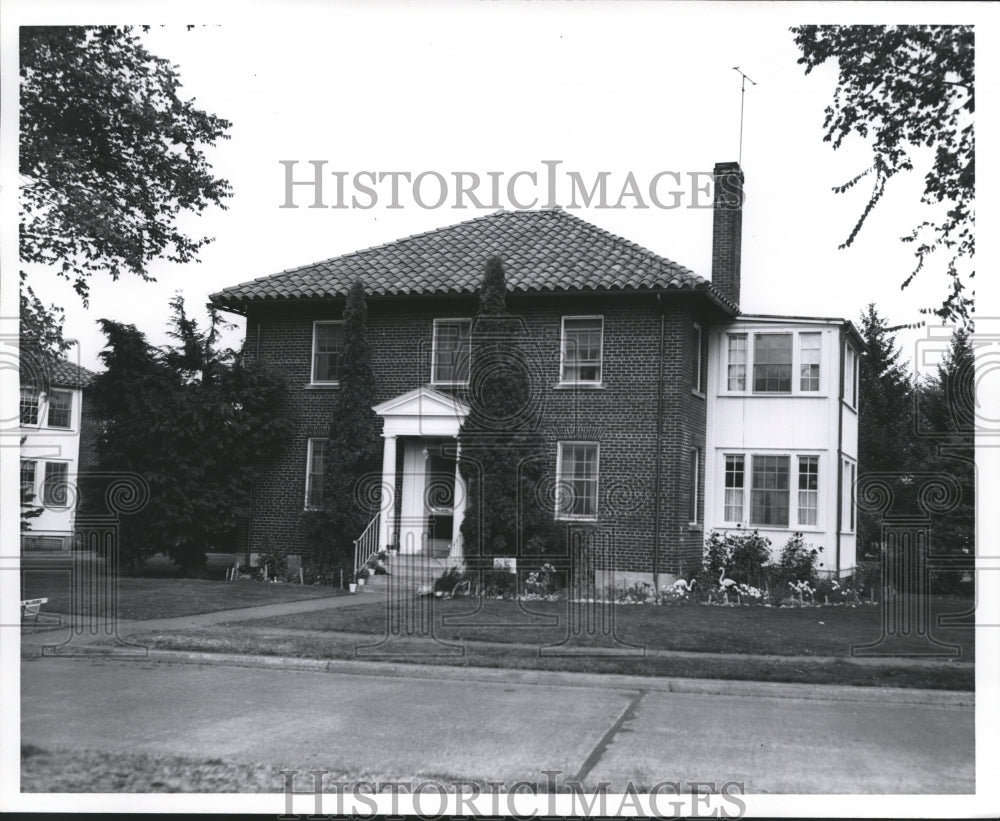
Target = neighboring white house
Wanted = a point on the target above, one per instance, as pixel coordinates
(782, 432)
(51, 417)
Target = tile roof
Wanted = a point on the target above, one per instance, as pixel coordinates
(543, 251)
(51, 371)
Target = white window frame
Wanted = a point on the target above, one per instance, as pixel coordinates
(41, 496)
(312, 353)
(851, 365)
(698, 386)
(798, 488)
(849, 513)
(695, 483)
(38, 407)
(578, 517)
(309, 473)
(434, 350)
(48, 409)
(750, 334)
(33, 498)
(746, 499)
(562, 354)
(819, 363)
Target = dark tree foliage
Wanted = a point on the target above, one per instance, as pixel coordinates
(192, 421)
(503, 458)
(907, 88)
(110, 156)
(948, 410)
(352, 474)
(887, 432)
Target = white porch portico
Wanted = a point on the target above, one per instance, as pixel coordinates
(421, 454)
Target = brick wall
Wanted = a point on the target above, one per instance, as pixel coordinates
(621, 416)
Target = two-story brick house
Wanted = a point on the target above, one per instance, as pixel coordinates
(666, 412)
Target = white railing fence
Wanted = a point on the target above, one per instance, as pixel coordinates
(366, 545)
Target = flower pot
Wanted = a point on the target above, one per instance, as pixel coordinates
(361, 582)
(352, 588)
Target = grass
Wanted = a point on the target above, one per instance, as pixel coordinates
(241, 639)
(807, 631)
(141, 598)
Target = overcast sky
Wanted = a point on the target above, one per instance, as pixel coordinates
(636, 88)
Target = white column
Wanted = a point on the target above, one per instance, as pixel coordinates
(388, 491)
(458, 509)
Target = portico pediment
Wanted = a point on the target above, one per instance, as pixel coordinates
(422, 412)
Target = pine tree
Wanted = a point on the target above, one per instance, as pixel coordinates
(503, 461)
(352, 473)
(886, 422)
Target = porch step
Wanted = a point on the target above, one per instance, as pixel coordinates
(410, 571)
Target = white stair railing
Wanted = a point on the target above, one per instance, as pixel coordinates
(366, 545)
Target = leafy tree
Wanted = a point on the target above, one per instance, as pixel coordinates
(503, 456)
(886, 428)
(193, 422)
(110, 156)
(905, 88)
(354, 448)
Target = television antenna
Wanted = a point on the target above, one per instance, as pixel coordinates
(743, 91)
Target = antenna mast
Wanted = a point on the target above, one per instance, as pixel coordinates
(743, 91)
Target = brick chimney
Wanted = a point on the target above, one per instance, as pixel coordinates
(727, 229)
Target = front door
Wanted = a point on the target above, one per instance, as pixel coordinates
(427, 506)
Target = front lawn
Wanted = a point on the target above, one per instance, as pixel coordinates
(140, 598)
(806, 631)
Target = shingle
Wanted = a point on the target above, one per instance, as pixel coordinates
(547, 250)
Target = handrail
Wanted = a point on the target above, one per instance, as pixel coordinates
(366, 545)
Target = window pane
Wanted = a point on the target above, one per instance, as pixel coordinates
(737, 374)
(314, 475)
(60, 403)
(577, 491)
(28, 480)
(734, 488)
(809, 362)
(772, 363)
(696, 361)
(29, 406)
(581, 350)
(808, 489)
(769, 491)
(54, 490)
(694, 485)
(326, 351)
(451, 347)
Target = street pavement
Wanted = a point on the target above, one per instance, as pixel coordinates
(486, 728)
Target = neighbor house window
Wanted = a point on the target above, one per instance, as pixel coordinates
(315, 464)
(850, 376)
(737, 368)
(734, 488)
(849, 513)
(576, 480)
(694, 484)
(60, 405)
(809, 354)
(769, 490)
(29, 405)
(28, 467)
(326, 352)
(696, 364)
(582, 349)
(772, 363)
(808, 490)
(54, 489)
(450, 348)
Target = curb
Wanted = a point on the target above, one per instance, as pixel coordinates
(947, 699)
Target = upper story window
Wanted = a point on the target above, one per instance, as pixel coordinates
(29, 405)
(582, 350)
(576, 480)
(60, 409)
(809, 352)
(771, 360)
(450, 351)
(326, 352)
(696, 363)
(850, 376)
(772, 363)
